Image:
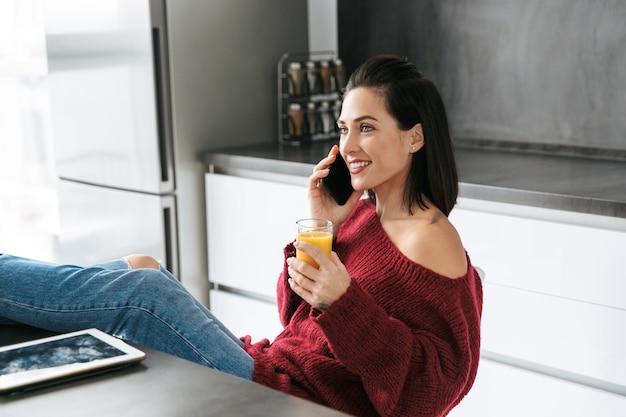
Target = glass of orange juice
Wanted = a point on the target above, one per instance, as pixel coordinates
(318, 232)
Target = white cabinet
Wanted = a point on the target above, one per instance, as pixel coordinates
(249, 222)
(244, 315)
(565, 254)
(554, 311)
(505, 391)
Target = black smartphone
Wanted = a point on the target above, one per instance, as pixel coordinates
(338, 183)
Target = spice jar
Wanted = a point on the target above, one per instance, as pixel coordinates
(326, 76)
(339, 75)
(295, 79)
(295, 119)
(313, 80)
(312, 120)
(326, 117)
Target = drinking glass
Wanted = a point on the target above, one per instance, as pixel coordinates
(318, 232)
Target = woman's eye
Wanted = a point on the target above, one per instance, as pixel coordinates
(342, 130)
(365, 128)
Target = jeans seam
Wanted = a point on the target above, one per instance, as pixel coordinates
(95, 309)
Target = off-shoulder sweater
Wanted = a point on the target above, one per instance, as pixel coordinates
(402, 341)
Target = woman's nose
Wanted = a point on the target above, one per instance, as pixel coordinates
(348, 143)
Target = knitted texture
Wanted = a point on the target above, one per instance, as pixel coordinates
(402, 341)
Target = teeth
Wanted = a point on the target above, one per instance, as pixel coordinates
(359, 164)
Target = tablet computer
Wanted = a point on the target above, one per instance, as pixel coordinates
(55, 359)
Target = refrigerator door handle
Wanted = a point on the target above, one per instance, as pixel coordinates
(170, 235)
(160, 60)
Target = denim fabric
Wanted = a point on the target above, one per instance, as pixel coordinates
(145, 306)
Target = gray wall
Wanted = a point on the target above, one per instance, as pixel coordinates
(322, 21)
(512, 70)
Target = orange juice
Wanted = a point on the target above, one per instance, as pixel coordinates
(323, 240)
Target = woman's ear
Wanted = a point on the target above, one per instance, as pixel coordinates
(416, 138)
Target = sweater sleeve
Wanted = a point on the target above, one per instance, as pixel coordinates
(287, 300)
(403, 369)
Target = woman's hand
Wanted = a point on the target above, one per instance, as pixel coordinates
(322, 204)
(318, 287)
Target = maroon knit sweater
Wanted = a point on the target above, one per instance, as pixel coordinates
(402, 341)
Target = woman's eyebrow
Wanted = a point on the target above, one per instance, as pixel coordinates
(359, 119)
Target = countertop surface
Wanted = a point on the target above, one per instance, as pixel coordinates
(571, 183)
(162, 385)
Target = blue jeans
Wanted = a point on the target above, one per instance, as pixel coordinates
(145, 306)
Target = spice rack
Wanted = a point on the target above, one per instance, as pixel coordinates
(310, 85)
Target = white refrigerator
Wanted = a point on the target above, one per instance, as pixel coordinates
(138, 88)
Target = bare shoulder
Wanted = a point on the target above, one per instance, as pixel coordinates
(433, 243)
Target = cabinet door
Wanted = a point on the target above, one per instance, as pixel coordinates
(246, 316)
(502, 390)
(249, 223)
(575, 340)
(564, 254)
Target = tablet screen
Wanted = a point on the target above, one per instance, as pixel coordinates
(67, 356)
(76, 349)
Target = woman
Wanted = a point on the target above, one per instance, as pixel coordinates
(388, 325)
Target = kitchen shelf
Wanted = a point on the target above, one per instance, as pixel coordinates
(310, 85)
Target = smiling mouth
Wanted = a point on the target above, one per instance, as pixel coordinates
(359, 164)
